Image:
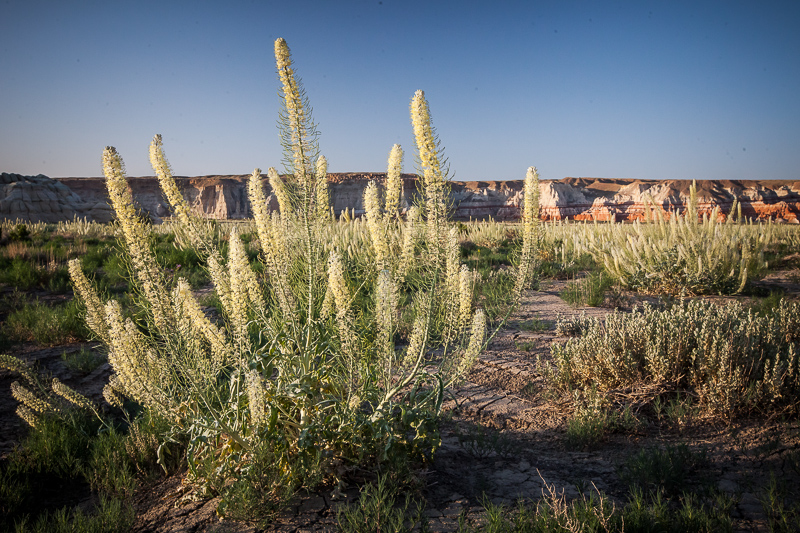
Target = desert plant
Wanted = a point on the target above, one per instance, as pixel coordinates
(377, 510)
(83, 361)
(680, 253)
(779, 502)
(657, 470)
(46, 325)
(589, 291)
(19, 232)
(302, 377)
(482, 442)
(84, 228)
(597, 512)
(731, 358)
(572, 325)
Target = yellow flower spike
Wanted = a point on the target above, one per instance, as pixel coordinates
(425, 139)
(71, 395)
(280, 192)
(271, 234)
(220, 350)
(182, 210)
(417, 342)
(394, 181)
(17, 365)
(298, 134)
(95, 313)
(244, 289)
(136, 368)
(221, 282)
(258, 204)
(451, 284)
(135, 235)
(465, 290)
(530, 230)
(476, 339)
(27, 415)
(256, 398)
(326, 311)
(342, 300)
(29, 399)
(386, 301)
(323, 196)
(377, 231)
(112, 396)
(433, 177)
(407, 250)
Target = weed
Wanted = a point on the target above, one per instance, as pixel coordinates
(586, 431)
(482, 442)
(301, 372)
(19, 232)
(781, 506)
(378, 509)
(83, 361)
(526, 346)
(732, 360)
(768, 305)
(589, 291)
(494, 292)
(656, 470)
(46, 325)
(793, 459)
(596, 512)
(111, 516)
(534, 325)
(680, 412)
(573, 325)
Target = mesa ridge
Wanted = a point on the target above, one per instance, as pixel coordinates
(224, 197)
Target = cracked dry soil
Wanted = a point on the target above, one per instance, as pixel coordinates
(503, 439)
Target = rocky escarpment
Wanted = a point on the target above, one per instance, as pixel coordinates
(40, 198)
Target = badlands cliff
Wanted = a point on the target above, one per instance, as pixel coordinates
(39, 198)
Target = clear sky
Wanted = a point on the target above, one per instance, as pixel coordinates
(635, 89)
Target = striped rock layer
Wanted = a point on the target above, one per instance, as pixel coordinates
(39, 198)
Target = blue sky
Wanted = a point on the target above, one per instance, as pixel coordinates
(653, 90)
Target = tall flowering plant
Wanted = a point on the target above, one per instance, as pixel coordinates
(304, 365)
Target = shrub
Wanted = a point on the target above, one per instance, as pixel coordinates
(19, 232)
(60, 452)
(732, 358)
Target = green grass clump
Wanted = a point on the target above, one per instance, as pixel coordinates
(61, 452)
(110, 516)
(45, 324)
(589, 291)
(378, 509)
(25, 274)
(596, 512)
(83, 361)
(655, 470)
